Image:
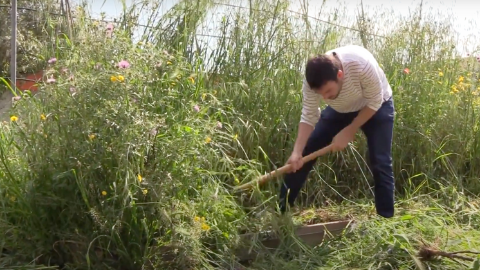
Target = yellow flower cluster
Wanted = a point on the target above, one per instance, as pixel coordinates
(140, 179)
(201, 220)
(118, 78)
(459, 86)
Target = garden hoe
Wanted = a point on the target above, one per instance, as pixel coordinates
(283, 169)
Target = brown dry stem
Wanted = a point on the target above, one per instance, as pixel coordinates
(427, 253)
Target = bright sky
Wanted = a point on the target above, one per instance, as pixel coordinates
(464, 12)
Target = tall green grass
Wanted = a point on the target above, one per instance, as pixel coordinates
(133, 168)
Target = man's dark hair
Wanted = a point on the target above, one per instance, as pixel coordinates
(320, 70)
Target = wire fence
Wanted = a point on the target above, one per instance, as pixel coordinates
(307, 16)
(217, 4)
(205, 34)
(31, 9)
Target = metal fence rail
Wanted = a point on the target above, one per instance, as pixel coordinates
(13, 49)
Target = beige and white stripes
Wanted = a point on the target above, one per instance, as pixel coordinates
(365, 84)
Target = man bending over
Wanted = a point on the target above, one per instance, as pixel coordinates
(350, 81)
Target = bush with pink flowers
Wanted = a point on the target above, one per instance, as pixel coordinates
(115, 160)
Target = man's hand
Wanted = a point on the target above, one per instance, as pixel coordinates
(304, 132)
(347, 134)
(296, 161)
(341, 140)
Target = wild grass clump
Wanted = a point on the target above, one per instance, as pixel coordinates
(116, 160)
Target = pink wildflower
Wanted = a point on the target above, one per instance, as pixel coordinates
(52, 60)
(109, 30)
(123, 64)
(196, 108)
(51, 80)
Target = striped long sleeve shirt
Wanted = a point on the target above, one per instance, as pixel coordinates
(365, 84)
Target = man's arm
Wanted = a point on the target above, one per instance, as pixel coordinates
(363, 116)
(304, 131)
(310, 116)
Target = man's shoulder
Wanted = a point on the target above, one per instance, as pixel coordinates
(355, 58)
(353, 53)
(351, 50)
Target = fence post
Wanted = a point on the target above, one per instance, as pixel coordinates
(13, 48)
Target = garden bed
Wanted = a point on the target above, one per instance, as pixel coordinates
(309, 234)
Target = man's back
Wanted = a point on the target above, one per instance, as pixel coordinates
(365, 84)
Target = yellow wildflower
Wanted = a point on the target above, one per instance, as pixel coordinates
(454, 89)
(91, 136)
(169, 63)
(113, 78)
(43, 117)
(440, 74)
(120, 78)
(145, 192)
(191, 79)
(13, 118)
(104, 193)
(235, 137)
(460, 79)
(139, 177)
(198, 219)
(208, 140)
(205, 227)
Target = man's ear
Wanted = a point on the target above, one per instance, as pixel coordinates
(340, 74)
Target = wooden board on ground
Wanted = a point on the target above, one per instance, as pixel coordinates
(311, 235)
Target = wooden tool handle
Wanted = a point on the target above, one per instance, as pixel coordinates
(285, 168)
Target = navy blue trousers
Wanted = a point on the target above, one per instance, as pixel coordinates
(378, 131)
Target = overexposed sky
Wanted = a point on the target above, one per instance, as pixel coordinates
(464, 13)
